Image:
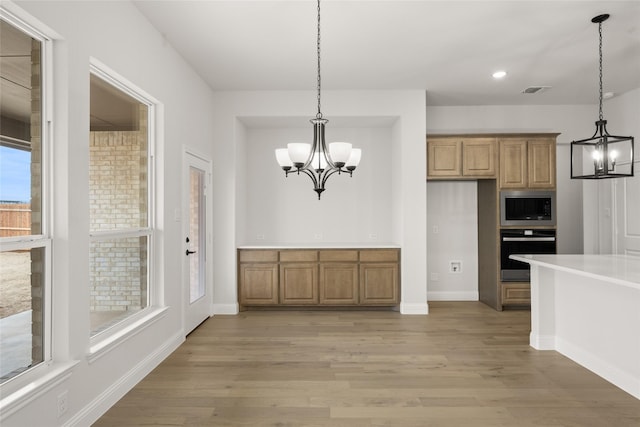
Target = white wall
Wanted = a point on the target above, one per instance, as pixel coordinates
(284, 210)
(116, 34)
(452, 227)
(351, 208)
(571, 121)
(603, 199)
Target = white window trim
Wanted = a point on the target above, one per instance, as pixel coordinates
(33, 382)
(104, 341)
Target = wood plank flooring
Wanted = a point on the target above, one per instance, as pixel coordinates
(462, 365)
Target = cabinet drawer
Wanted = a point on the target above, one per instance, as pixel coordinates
(379, 255)
(516, 293)
(339, 255)
(298, 256)
(258, 256)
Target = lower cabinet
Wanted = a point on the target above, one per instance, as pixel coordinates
(327, 277)
(518, 293)
(339, 284)
(299, 283)
(378, 283)
(259, 284)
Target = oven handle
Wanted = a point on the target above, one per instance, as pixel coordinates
(528, 239)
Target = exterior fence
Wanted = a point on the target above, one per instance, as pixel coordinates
(15, 219)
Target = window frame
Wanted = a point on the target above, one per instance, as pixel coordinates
(106, 339)
(44, 239)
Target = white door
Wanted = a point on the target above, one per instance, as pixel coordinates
(627, 218)
(197, 241)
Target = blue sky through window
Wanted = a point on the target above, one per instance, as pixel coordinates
(15, 175)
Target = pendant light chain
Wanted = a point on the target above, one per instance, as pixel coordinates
(319, 115)
(600, 52)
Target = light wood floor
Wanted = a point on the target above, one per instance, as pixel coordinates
(463, 365)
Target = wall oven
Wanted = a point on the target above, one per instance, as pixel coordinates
(527, 208)
(523, 241)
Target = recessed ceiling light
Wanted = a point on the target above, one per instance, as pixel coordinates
(499, 74)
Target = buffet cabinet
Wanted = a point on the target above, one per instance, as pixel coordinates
(318, 277)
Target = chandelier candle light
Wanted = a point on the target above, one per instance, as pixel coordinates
(603, 155)
(316, 160)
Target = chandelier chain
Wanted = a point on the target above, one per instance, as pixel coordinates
(600, 65)
(319, 115)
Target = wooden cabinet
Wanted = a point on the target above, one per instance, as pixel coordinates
(338, 283)
(527, 163)
(443, 157)
(378, 283)
(455, 157)
(516, 293)
(541, 156)
(379, 277)
(258, 277)
(258, 284)
(513, 163)
(331, 277)
(479, 157)
(298, 283)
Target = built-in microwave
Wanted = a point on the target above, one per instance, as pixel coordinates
(527, 208)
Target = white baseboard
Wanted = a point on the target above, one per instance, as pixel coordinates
(226, 309)
(542, 342)
(616, 376)
(96, 408)
(408, 308)
(453, 296)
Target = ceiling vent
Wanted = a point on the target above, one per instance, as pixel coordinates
(536, 89)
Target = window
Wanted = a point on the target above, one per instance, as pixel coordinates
(25, 248)
(121, 228)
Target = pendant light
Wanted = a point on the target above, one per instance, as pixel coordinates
(316, 160)
(603, 155)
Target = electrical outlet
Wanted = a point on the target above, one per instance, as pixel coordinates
(435, 229)
(455, 266)
(63, 402)
(317, 236)
(373, 236)
(260, 237)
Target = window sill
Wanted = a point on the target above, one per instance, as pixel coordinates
(55, 374)
(102, 346)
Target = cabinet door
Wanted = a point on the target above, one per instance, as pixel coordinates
(379, 283)
(513, 164)
(258, 284)
(299, 283)
(516, 294)
(443, 157)
(338, 283)
(479, 157)
(542, 163)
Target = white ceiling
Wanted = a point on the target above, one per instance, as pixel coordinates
(448, 48)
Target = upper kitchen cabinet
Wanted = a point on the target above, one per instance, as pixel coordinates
(528, 162)
(455, 157)
(443, 157)
(479, 157)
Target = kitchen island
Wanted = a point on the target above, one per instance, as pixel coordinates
(587, 307)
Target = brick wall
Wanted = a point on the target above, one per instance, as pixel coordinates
(118, 200)
(37, 255)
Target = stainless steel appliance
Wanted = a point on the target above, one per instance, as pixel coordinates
(527, 208)
(523, 241)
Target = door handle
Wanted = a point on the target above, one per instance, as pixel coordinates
(188, 252)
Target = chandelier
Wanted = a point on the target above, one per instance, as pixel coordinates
(603, 155)
(316, 160)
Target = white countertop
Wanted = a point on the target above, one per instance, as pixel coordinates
(621, 269)
(322, 245)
